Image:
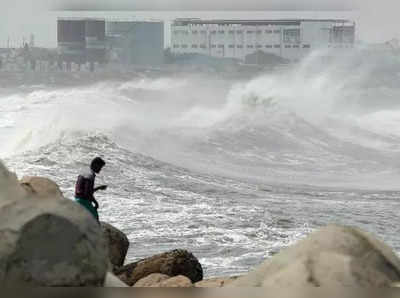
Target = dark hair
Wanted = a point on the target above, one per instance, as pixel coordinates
(98, 161)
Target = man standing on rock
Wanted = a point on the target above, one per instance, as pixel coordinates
(84, 188)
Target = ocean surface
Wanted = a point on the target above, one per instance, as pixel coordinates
(232, 169)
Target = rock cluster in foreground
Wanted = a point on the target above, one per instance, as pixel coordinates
(47, 240)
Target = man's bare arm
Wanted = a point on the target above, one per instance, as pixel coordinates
(102, 187)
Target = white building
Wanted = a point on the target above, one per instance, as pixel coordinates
(289, 39)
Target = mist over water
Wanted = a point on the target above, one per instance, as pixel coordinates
(232, 169)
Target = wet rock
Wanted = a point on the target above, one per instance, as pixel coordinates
(176, 282)
(41, 187)
(335, 256)
(215, 282)
(153, 280)
(47, 242)
(174, 263)
(118, 244)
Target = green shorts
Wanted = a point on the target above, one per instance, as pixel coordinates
(89, 207)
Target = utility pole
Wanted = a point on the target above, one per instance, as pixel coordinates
(32, 41)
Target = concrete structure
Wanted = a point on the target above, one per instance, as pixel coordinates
(288, 39)
(81, 40)
(134, 42)
(95, 39)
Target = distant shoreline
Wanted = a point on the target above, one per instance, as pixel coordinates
(59, 79)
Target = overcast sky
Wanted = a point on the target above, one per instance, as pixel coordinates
(377, 20)
(204, 4)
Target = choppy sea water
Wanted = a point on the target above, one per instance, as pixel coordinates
(232, 170)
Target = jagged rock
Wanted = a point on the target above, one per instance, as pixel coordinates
(118, 244)
(179, 281)
(174, 263)
(215, 282)
(41, 187)
(152, 280)
(113, 282)
(47, 242)
(335, 256)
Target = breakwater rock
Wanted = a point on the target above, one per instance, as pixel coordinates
(173, 263)
(335, 256)
(118, 245)
(47, 242)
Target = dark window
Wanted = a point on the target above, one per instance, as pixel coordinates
(250, 32)
(268, 46)
(195, 46)
(221, 46)
(277, 46)
(250, 46)
(213, 32)
(277, 31)
(306, 46)
(288, 46)
(291, 36)
(259, 31)
(203, 46)
(231, 46)
(296, 46)
(213, 46)
(259, 46)
(184, 46)
(240, 46)
(176, 46)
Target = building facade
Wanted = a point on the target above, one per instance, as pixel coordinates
(288, 39)
(81, 40)
(136, 42)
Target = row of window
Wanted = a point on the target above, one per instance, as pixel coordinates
(229, 31)
(221, 46)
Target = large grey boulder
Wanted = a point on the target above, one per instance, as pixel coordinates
(335, 256)
(173, 263)
(112, 281)
(41, 187)
(9, 185)
(47, 242)
(118, 244)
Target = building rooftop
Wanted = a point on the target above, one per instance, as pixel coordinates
(133, 20)
(80, 19)
(293, 22)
